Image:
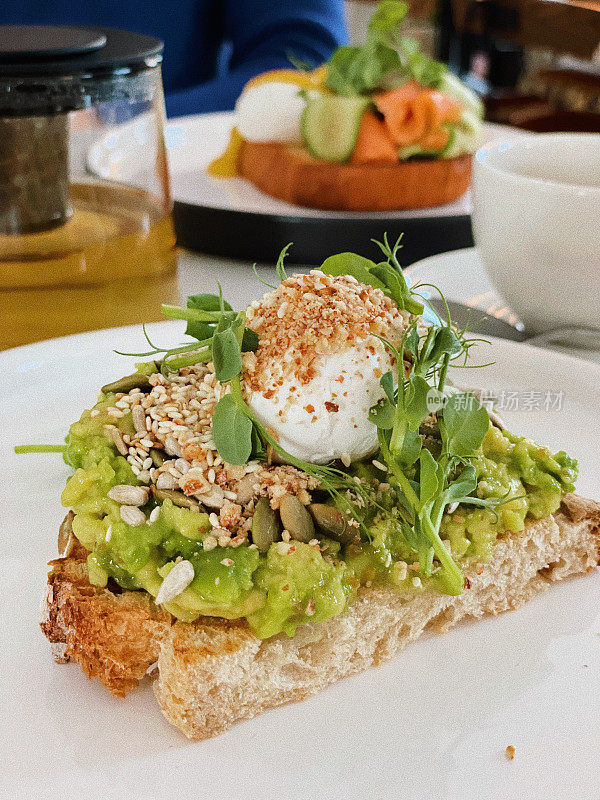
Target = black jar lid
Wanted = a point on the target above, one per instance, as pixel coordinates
(53, 68)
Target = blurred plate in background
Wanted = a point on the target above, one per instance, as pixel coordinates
(231, 217)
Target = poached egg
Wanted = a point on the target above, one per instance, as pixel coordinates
(318, 366)
(270, 107)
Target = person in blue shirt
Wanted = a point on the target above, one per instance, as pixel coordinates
(212, 47)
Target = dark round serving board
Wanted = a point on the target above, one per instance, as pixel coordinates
(258, 236)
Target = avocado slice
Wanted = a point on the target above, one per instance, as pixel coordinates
(330, 126)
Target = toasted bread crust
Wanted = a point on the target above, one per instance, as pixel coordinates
(291, 174)
(115, 637)
(214, 672)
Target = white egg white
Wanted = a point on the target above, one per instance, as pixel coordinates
(348, 383)
(270, 112)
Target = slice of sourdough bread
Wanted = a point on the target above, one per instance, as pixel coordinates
(213, 673)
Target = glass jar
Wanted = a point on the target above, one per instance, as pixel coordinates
(86, 233)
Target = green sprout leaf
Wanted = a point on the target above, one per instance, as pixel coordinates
(279, 267)
(465, 423)
(232, 431)
(352, 264)
(416, 409)
(249, 341)
(383, 414)
(387, 384)
(429, 484)
(204, 302)
(226, 354)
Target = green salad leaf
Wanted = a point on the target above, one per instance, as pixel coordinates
(385, 61)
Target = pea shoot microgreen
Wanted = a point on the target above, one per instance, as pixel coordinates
(426, 485)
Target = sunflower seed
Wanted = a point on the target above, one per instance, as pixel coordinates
(166, 481)
(129, 495)
(132, 515)
(138, 415)
(178, 579)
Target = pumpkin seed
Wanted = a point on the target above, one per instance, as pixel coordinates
(127, 383)
(330, 520)
(177, 498)
(157, 457)
(265, 529)
(296, 519)
(66, 537)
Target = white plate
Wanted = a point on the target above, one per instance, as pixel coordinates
(194, 141)
(461, 277)
(434, 723)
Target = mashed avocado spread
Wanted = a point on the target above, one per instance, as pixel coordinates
(293, 581)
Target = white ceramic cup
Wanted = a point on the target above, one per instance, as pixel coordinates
(536, 224)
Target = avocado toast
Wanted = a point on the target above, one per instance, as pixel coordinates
(293, 497)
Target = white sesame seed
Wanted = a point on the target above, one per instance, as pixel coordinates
(416, 582)
(154, 514)
(108, 533)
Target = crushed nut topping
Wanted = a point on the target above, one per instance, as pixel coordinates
(308, 316)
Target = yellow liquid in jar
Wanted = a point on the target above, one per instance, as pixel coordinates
(112, 263)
